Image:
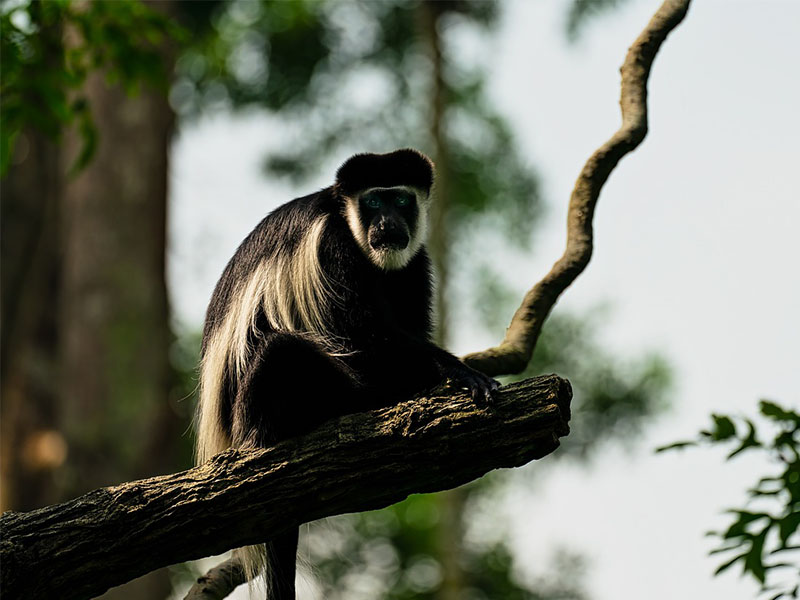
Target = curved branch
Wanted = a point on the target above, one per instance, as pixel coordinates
(107, 537)
(516, 349)
(219, 582)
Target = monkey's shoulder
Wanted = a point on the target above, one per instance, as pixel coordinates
(286, 226)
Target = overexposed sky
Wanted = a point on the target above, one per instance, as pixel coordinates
(696, 252)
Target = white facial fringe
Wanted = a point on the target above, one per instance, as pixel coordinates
(388, 260)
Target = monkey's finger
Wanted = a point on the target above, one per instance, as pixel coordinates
(475, 392)
(482, 394)
(489, 392)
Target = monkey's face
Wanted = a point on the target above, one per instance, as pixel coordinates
(388, 216)
(388, 224)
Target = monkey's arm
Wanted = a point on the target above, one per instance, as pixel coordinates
(421, 356)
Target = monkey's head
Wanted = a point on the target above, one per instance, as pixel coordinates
(386, 199)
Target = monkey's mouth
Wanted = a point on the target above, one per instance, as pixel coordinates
(388, 240)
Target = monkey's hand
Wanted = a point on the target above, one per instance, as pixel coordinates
(481, 387)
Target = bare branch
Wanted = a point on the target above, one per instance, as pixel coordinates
(219, 582)
(107, 537)
(516, 349)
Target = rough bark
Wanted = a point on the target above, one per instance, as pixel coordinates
(81, 548)
(516, 349)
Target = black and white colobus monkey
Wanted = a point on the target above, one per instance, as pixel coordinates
(324, 310)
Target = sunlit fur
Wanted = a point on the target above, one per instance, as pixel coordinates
(293, 293)
(389, 259)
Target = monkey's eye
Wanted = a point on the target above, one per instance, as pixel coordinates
(372, 200)
(403, 199)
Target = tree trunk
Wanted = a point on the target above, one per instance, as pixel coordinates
(449, 529)
(114, 319)
(114, 333)
(32, 445)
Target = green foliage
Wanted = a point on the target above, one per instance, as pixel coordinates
(184, 356)
(613, 397)
(395, 553)
(582, 11)
(763, 535)
(253, 52)
(356, 75)
(48, 49)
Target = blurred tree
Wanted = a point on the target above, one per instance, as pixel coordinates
(763, 537)
(114, 327)
(355, 76)
(580, 12)
(32, 445)
(611, 401)
(86, 380)
(392, 554)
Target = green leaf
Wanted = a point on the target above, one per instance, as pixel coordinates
(786, 549)
(739, 527)
(777, 413)
(675, 446)
(89, 136)
(723, 549)
(7, 138)
(785, 439)
(787, 526)
(754, 559)
(726, 565)
(724, 428)
(755, 492)
(748, 442)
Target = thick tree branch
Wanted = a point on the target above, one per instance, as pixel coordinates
(107, 537)
(516, 349)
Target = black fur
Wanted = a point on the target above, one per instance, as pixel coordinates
(401, 167)
(380, 319)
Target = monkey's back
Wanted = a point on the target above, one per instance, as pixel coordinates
(280, 232)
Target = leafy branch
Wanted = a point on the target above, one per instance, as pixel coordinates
(763, 539)
(49, 49)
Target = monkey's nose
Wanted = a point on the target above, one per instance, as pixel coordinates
(387, 226)
(388, 234)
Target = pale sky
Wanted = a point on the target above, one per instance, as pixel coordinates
(696, 253)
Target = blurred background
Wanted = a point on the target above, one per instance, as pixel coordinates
(141, 141)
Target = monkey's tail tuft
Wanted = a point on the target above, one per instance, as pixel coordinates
(255, 563)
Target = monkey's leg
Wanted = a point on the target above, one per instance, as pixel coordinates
(291, 387)
(282, 565)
